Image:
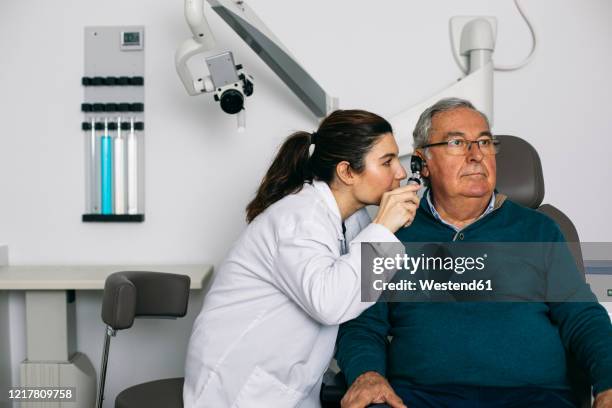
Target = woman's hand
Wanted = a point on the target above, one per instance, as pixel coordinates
(398, 207)
(371, 388)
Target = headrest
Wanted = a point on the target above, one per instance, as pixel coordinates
(519, 171)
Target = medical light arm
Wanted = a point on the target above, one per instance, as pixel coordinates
(242, 19)
(201, 42)
(475, 45)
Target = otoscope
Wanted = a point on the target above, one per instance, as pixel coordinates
(416, 165)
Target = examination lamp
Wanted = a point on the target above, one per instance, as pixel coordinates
(229, 83)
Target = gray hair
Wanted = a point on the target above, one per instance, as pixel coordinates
(423, 127)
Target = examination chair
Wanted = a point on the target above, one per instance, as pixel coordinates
(520, 177)
(138, 294)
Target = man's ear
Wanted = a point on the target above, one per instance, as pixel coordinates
(345, 173)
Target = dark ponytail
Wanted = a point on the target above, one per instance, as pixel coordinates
(286, 175)
(344, 135)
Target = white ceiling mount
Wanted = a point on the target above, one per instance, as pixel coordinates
(469, 33)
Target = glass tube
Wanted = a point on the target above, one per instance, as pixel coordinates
(132, 170)
(119, 173)
(90, 165)
(93, 165)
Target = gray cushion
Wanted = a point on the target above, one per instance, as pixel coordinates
(131, 294)
(519, 172)
(569, 232)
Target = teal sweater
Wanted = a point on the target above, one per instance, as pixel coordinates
(471, 343)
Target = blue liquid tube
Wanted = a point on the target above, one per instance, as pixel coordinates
(106, 170)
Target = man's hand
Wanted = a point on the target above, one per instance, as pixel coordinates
(371, 388)
(602, 400)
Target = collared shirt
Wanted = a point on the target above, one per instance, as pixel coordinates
(456, 228)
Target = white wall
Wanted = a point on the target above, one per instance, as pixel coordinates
(383, 56)
(5, 345)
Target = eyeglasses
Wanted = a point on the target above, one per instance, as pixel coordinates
(460, 147)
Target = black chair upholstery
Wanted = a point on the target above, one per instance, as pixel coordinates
(519, 172)
(569, 231)
(520, 177)
(333, 389)
(128, 295)
(154, 394)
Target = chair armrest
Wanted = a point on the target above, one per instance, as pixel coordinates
(333, 389)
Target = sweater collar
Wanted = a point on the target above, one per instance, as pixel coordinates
(497, 200)
(437, 216)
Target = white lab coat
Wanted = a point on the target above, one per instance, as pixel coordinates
(267, 329)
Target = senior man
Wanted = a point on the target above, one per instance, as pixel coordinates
(472, 354)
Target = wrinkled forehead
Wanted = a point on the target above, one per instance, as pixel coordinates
(459, 120)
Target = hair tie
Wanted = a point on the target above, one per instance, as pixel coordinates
(313, 137)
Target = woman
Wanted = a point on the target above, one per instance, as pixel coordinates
(268, 325)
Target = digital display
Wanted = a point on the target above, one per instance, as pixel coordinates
(131, 38)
